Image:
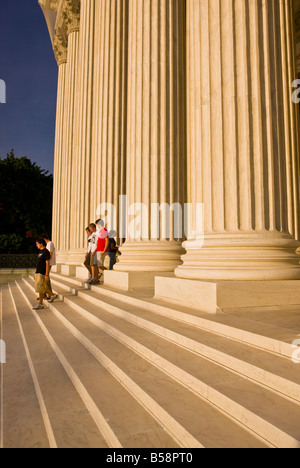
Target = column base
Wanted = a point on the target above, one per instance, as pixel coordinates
(241, 258)
(213, 296)
(61, 256)
(71, 257)
(56, 268)
(68, 270)
(150, 256)
(131, 280)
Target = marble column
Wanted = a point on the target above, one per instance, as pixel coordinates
(108, 174)
(156, 135)
(82, 191)
(71, 16)
(60, 50)
(242, 147)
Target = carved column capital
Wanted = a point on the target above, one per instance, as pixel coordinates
(60, 47)
(60, 42)
(71, 15)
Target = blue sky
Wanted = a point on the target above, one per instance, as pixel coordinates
(28, 67)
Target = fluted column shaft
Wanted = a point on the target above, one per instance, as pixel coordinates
(156, 133)
(108, 177)
(58, 154)
(242, 148)
(81, 174)
(68, 151)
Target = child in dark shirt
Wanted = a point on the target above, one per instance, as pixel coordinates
(41, 278)
(112, 249)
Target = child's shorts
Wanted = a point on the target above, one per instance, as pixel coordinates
(101, 258)
(93, 259)
(40, 283)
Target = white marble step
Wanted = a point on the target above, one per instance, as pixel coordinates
(225, 389)
(66, 421)
(71, 280)
(263, 335)
(271, 370)
(153, 387)
(119, 417)
(22, 423)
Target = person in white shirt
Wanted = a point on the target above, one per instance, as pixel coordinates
(94, 260)
(87, 260)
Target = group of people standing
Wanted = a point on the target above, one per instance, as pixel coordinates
(101, 244)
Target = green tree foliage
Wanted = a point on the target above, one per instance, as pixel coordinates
(25, 204)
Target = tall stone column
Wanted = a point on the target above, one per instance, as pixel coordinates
(60, 50)
(242, 147)
(71, 17)
(156, 135)
(108, 174)
(82, 190)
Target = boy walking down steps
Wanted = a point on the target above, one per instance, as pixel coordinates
(41, 278)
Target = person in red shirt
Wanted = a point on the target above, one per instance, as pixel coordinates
(102, 246)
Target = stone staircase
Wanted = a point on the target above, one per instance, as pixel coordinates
(109, 369)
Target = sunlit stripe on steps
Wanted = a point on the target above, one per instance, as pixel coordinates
(45, 416)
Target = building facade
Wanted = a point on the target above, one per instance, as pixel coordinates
(176, 113)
